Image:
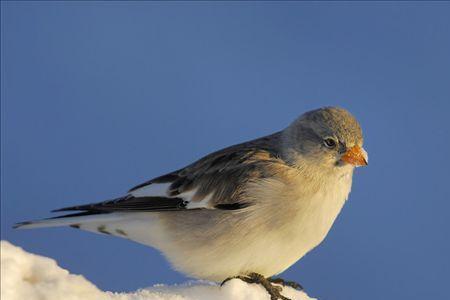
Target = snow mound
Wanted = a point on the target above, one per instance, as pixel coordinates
(28, 276)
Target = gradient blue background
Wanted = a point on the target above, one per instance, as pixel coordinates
(98, 97)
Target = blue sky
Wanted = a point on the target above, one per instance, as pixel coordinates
(97, 97)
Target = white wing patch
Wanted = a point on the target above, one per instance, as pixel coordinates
(204, 203)
(160, 190)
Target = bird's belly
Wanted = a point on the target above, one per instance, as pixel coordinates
(267, 252)
(215, 245)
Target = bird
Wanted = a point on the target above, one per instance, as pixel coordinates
(248, 211)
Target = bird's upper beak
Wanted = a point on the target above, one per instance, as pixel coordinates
(356, 156)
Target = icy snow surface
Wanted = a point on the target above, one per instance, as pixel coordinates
(28, 276)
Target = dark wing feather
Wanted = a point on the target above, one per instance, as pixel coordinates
(221, 174)
(130, 203)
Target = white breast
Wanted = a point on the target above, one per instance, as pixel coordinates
(319, 212)
(314, 217)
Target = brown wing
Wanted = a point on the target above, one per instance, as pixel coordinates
(216, 181)
(222, 175)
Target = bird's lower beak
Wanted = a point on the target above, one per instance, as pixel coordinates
(356, 156)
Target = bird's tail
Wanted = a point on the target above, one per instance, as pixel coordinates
(141, 227)
(73, 220)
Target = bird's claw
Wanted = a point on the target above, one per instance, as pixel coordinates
(292, 284)
(273, 290)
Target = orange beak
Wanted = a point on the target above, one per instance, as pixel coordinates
(356, 156)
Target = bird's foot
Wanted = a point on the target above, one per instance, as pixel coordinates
(273, 290)
(283, 282)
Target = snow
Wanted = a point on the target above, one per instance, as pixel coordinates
(28, 276)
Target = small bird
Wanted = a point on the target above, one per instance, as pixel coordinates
(248, 211)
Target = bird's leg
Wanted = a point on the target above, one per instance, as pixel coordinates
(283, 282)
(273, 290)
(243, 278)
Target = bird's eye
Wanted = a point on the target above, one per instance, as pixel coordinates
(330, 143)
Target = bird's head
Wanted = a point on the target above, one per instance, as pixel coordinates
(328, 137)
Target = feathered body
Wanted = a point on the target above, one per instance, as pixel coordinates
(254, 207)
